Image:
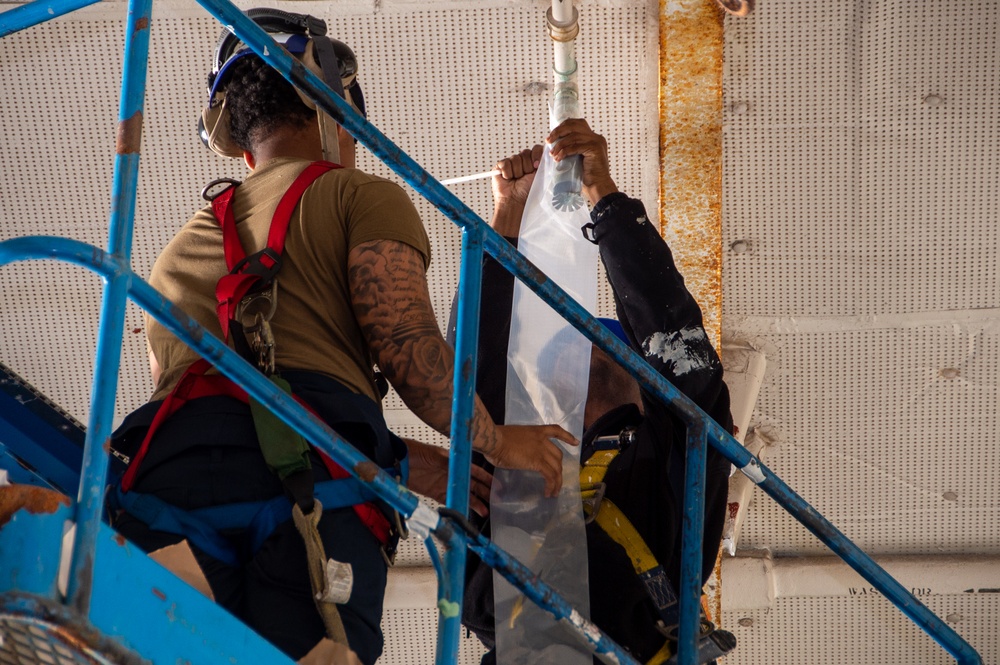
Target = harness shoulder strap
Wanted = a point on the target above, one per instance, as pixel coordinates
(713, 643)
(254, 272)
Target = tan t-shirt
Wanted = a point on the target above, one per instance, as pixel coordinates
(314, 325)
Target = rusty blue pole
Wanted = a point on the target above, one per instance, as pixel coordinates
(452, 582)
(37, 12)
(692, 544)
(230, 364)
(428, 187)
(90, 499)
(466, 362)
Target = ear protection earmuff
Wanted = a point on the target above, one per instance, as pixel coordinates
(304, 37)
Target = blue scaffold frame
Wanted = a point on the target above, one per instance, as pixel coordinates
(448, 524)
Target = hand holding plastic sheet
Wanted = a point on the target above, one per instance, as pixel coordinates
(547, 376)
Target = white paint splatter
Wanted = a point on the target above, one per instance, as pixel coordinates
(642, 220)
(673, 7)
(676, 349)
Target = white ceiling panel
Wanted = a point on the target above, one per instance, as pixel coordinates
(860, 171)
(863, 630)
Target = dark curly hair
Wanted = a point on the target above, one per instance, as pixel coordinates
(259, 101)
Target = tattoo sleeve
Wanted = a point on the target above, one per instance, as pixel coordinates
(391, 302)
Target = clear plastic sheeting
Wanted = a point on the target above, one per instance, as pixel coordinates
(547, 374)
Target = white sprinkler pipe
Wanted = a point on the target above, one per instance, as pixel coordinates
(562, 19)
(563, 28)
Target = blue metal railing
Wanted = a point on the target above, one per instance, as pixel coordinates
(121, 283)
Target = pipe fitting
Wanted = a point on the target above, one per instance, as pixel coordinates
(562, 31)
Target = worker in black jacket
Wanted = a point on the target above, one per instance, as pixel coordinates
(661, 321)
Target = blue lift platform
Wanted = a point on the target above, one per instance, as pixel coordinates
(60, 466)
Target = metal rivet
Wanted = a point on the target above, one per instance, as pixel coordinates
(739, 108)
(950, 496)
(954, 618)
(950, 373)
(740, 247)
(933, 100)
(746, 622)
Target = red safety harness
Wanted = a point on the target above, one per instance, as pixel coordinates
(247, 275)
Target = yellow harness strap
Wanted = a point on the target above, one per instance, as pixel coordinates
(661, 656)
(609, 516)
(614, 523)
(618, 527)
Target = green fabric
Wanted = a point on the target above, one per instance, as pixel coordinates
(285, 451)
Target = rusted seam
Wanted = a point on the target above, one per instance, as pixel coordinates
(129, 135)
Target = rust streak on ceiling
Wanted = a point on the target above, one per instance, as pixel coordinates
(691, 147)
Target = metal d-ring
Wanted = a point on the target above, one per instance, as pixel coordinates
(206, 190)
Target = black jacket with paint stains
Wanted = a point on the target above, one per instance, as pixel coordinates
(664, 324)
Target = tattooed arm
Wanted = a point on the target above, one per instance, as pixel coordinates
(393, 307)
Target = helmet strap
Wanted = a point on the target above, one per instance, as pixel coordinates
(320, 58)
(329, 137)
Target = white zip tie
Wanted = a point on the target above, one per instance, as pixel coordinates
(753, 471)
(422, 521)
(468, 178)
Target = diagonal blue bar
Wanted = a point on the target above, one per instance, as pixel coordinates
(233, 366)
(37, 12)
(227, 361)
(555, 297)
